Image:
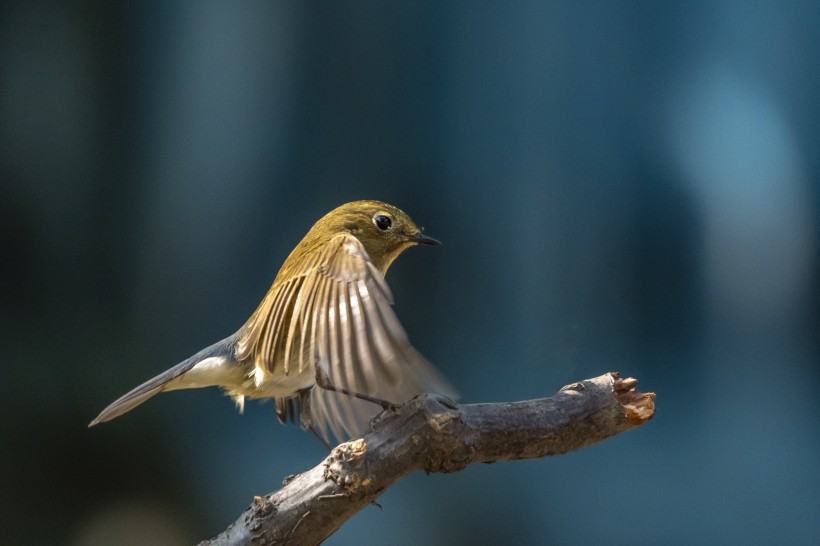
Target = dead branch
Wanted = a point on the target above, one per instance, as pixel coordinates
(435, 434)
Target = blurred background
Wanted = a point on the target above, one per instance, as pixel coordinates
(628, 186)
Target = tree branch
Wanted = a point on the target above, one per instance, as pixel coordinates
(435, 434)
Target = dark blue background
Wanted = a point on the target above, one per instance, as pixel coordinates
(627, 186)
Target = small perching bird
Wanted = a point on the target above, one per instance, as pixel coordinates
(324, 343)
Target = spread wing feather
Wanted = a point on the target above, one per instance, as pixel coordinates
(337, 314)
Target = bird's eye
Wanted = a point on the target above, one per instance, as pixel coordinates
(382, 222)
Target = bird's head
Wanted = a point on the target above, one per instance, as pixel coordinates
(384, 230)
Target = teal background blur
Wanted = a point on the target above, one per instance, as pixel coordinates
(627, 186)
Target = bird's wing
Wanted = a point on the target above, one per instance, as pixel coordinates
(337, 313)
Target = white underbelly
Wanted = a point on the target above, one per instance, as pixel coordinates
(243, 380)
(279, 385)
(209, 372)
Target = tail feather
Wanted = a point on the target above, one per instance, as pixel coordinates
(127, 402)
(137, 396)
(223, 351)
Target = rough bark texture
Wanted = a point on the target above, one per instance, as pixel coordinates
(434, 434)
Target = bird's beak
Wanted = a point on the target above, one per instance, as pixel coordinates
(422, 239)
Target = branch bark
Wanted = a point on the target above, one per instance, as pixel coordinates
(434, 434)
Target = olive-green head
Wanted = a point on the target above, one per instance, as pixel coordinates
(384, 230)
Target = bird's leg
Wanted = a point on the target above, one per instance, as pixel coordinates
(323, 382)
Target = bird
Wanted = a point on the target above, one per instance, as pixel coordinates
(324, 344)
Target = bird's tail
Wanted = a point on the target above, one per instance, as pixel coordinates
(211, 366)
